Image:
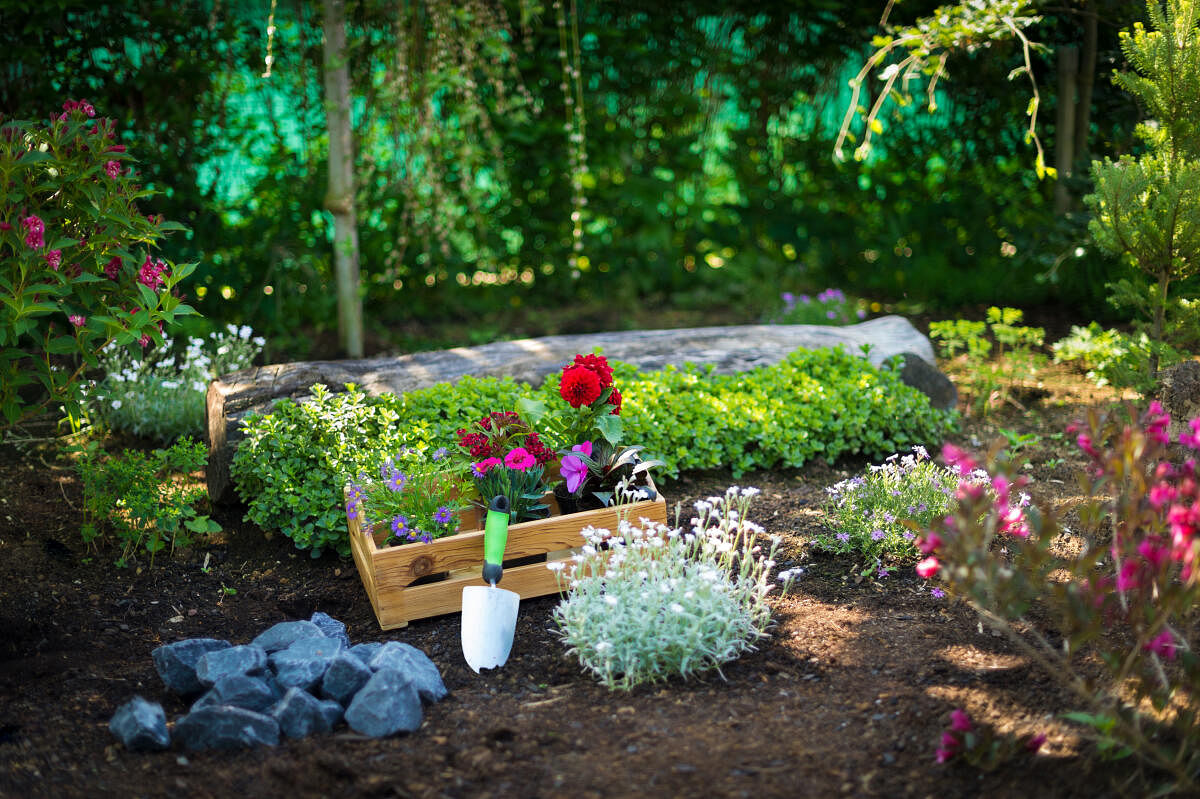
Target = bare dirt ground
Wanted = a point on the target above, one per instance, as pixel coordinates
(847, 697)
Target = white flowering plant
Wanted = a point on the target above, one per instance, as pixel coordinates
(160, 395)
(650, 602)
(866, 515)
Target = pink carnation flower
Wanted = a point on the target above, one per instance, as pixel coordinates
(519, 459)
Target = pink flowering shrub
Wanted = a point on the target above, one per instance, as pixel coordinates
(77, 269)
(1128, 597)
(980, 745)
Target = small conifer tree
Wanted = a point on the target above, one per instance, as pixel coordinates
(1147, 207)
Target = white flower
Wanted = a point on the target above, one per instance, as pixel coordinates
(116, 404)
(603, 646)
(245, 332)
(676, 607)
(609, 599)
(556, 565)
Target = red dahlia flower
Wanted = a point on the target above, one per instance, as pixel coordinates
(580, 386)
(594, 363)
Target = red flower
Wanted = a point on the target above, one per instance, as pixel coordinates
(614, 399)
(594, 363)
(580, 386)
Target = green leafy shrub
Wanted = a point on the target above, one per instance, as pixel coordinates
(866, 515)
(1127, 605)
(160, 395)
(821, 403)
(75, 269)
(994, 366)
(1112, 358)
(649, 603)
(142, 500)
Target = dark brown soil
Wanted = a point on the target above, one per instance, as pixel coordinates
(848, 696)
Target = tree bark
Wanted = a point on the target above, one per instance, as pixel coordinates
(728, 349)
(339, 200)
(1064, 157)
(1087, 79)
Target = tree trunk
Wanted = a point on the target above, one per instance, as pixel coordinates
(339, 200)
(1087, 78)
(1064, 157)
(1160, 313)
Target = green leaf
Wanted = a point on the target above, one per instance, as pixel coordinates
(34, 156)
(149, 298)
(62, 345)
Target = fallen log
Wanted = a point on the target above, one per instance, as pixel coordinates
(728, 349)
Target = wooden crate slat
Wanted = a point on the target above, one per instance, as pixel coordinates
(388, 572)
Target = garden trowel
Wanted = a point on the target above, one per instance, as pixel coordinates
(489, 614)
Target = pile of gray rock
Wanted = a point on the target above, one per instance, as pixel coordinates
(295, 679)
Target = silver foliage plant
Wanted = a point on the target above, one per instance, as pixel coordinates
(650, 602)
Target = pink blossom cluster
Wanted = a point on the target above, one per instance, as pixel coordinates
(1011, 515)
(1174, 499)
(82, 106)
(151, 274)
(35, 230)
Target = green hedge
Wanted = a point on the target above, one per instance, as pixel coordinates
(822, 403)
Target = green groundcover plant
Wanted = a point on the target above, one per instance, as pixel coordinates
(77, 271)
(160, 393)
(142, 501)
(649, 602)
(871, 515)
(1128, 598)
(826, 403)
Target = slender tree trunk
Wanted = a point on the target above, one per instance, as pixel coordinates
(339, 200)
(1087, 78)
(1160, 313)
(1064, 145)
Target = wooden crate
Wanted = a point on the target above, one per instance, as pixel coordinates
(448, 564)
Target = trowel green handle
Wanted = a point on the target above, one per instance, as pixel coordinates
(495, 539)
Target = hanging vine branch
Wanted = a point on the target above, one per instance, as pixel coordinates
(927, 46)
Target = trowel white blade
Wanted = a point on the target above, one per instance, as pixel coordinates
(489, 620)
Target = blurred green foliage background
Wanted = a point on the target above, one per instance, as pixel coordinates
(711, 183)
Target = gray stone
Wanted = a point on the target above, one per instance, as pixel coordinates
(303, 664)
(300, 714)
(345, 675)
(414, 664)
(331, 627)
(925, 377)
(386, 705)
(1179, 390)
(242, 659)
(176, 663)
(365, 652)
(225, 727)
(141, 725)
(285, 633)
(240, 690)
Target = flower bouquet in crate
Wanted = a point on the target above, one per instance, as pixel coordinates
(416, 528)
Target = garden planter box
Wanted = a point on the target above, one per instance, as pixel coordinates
(441, 568)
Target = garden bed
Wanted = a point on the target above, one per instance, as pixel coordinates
(848, 697)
